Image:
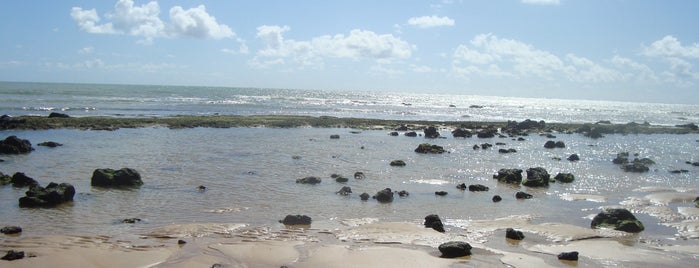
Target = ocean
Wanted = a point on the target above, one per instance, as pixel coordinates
(250, 173)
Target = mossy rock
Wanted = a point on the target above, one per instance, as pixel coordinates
(106, 177)
(397, 163)
(509, 175)
(618, 219)
(565, 177)
(427, 148)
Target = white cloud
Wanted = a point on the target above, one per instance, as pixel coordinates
(541, 2)
(584, 70)
(430, 21)
(86, 50)
(669, 46)
(144, 21)
(359, 44)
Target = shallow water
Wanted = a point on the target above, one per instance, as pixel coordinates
(250, 177)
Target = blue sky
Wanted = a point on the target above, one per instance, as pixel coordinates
(637, 50)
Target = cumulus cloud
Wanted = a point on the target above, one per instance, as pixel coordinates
(541, 2)
(678, 58)
(358, 44)
(430, 21)
(669, 46)
(144, 21)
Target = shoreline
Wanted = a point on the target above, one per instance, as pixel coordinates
(294, 121)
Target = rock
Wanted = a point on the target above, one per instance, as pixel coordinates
(20, 180)
(568, 256)
(564, 177)
(537, 177)
(509, 176)
(478, 188)
(461, 133)
(181, 242)
(5, 179)
(696, 202)
(384, 196)
(403, 193)
(309, 180)
(14, 145)
(521, 139)
(58, 115)
(359, 175)
(573, 157)
(619, 219)
(552, 144)
(334, 137)
(497, 198)
(476, 106)
(691, 126)
(635, 167)
(51, 144)
(397, 163)
(440, 193)
(345, 190)
(485, 146)
(201, 188)
(621, 158)
(644, 161)
(401, 128)
(106, 177)
(514, 234)
(296, 220)
(550, 136)
(454, 249)
(476, 147)
(364, 196)
(411, 134)
(461, 186)
(394, 134)
(431, 133)
(523, 195)
(11, 230)
(507, 151)
(53, 195)
(426, 148)
(500, 143)
(433, 221)
(13, 255)
(678, 171)
(131, 220)
(486, 133)
(341, 179)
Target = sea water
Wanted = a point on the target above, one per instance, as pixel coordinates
(250, 173)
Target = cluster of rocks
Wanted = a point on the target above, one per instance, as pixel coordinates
(638, 165)
(536, 177)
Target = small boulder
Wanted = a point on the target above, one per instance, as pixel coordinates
(440, 193)
(345, 190)
(486, 133)
(461, 133)
(341, 179)
(514, 234)
(619, 219)
(497, 198)
(507, 151)
(50, 144)
(14, 145)
(454, 249)
(393, 133)
(573, 158)
(636, 167)
(296, 220)
(537, 177)
(20, 180)
(334, 137)
(411, 134)
(478, 188)
(427, 148)
(364, 196)
(359, 175)
(53, 195)
(461, 186)
(621, 158)
(13, 255)
(509, 176)
(403, 193)
(568, 256)
(564, 177)
(58, 115)
(384, 196)
(397, 163)
(309, 180)
(431, 133)
(106, 177)
(131, 220)
(523, 195)
(11, 230)
(433, 221)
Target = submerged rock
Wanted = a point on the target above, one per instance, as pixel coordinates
(426, 148)
(619, 219)
(433, 221)
(14, 145)
(20, 180)
(11, 230)
(461, 133)
(509, 176)
(461, 186)
(54, 194)
(454, 249)
(397, 163)
(131, 220)
(296, 220)
(51, 144)
(573, 158)
(523, 195)
(309, 180)
(13, 255)
(411, 134)
(621, 158)
(334, 137)
(345, 190)
(403, 193)
(635, 167)
(58, 115)
(478, 188)
(384, 196)
(568, 256)
(106, 177)
(431, 133)
(497, 198)
(359, 175)
(564, 177)
(537, 177)
(364, 196)
(440, 193)
(514, 234)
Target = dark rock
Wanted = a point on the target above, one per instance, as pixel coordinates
(523, 195)
(401, 128)
(106, 177)
(426, 148)
(514, 234)
(635, 167)
(521, 139)
(621, 158)
(11, 230)
(13, 255)
(497, 198)
(486, 133)
(509, 176)
(411, 134)
(476, 106)
(431, 133)
(461, 186)
(461, 133)
(478, 188)
(433, 221)
(550, 144)
(476, 147)
(201, 188)
(644, 161)
(507, 151)
(440, 193)
(394, 134)
(568, 256)
(14, 145)
(296, 220)
(345, 190)
(573, 157)
(341, 179)
(500, 143)
(334, 137)
(20, 180)
(696, 202)
(384, 196)
(181, 242)
(131, 220)
(550, 136)
(537, 177)
(58, 115)
(359, 175)
(564, 177)
(485, 146)
(5, 179)
(691, 126)
(560, 144)
(309, 180)
(51, 144)
(364, 196)
(54, 194)
(403, 193)
(678, 171)
(619, 219)
(397, 163)
(454, 249)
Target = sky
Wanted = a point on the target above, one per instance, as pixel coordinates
(623, 50)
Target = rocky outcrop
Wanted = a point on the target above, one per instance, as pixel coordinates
(309, 180)
(296, 220)
(125, 177)
(384, 196)
(431, 133)
(554, 144)
(15, 145)
(50, 144)
(455, 249)
(54, 194)
(433, 221)
(537, 177)
(509, 176)
(635, 167)
(20, 180)
(461, 133)
(564, 177)
(514, 234)
(618, 219)
(58, 115)
(427, 148)
(411, 134)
